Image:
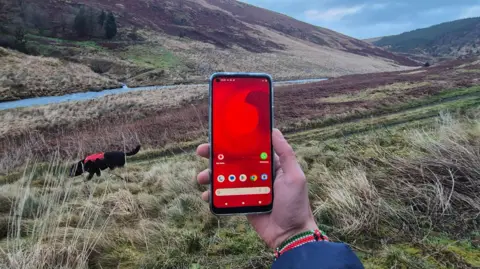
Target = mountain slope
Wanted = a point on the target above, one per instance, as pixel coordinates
(165, 41)
(449, 40)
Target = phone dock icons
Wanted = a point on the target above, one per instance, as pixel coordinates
(264, 177)
(254, 178)
(221, 178)
(243, 178)
(232, 178)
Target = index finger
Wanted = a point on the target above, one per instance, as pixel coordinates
(204, 150)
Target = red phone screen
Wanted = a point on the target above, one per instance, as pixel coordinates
(241, 142)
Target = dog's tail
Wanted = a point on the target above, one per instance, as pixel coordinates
(133, 152)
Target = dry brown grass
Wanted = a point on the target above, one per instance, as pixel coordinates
(25, 76)
(417, 181)
(133, 105)
(348, 197)
(365, 189)
(443, 183)
(377, 93)
(61, 232)
(299, 61)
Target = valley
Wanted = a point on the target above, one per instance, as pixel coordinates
(390, 147)
(157, 44)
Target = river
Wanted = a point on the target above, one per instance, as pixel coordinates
(81, 96)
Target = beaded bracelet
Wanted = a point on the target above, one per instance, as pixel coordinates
(300, 240)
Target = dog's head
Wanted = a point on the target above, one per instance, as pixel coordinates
(77, 169)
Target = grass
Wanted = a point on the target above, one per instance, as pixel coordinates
(469, 70)
(59, 41)
(398, 113)
(162, 60)
(150, 215)
(373, 94)
(398, 181)
(151, 56)
(29, 76)
(135, 104)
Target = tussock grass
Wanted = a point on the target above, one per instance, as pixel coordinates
(445, 179)
(389, 192)
(60, 234)
(348, 200)
(400, 185)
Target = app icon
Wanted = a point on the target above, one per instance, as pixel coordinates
(264, 156)
(243, 178)
(221, 157)
(232, 178)
(221, 178)
(264, 177)
(254, 178)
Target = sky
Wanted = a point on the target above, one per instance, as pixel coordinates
(373, 18)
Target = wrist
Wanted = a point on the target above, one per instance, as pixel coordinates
(293, 232)
(300, 240)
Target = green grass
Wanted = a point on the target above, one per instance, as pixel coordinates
(151, 56)
(67, 43)
(431, 253)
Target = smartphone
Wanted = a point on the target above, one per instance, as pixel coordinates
(241, 151)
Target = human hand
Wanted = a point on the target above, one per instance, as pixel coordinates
(291, 212)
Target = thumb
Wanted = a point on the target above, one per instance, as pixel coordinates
(288, 161)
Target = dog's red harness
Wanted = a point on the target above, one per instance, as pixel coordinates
(94, 157)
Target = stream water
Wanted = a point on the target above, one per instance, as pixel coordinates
(45, 100)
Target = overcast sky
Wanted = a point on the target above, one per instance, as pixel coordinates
(373, 18)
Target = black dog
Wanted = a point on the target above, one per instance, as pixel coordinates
(95, 163)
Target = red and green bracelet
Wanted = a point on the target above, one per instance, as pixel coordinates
(300, 240)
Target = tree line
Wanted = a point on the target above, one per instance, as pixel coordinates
(85, 23)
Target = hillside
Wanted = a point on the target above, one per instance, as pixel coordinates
(26, 76)
(160, 42)
(447, 40)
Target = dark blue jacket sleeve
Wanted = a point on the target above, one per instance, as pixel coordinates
(319, 255)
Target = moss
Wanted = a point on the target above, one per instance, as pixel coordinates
(121, 256)
(232, 242)
(433, 253)
(397, 256)
(462, 251)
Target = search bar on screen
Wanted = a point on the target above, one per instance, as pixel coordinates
(242, 191)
